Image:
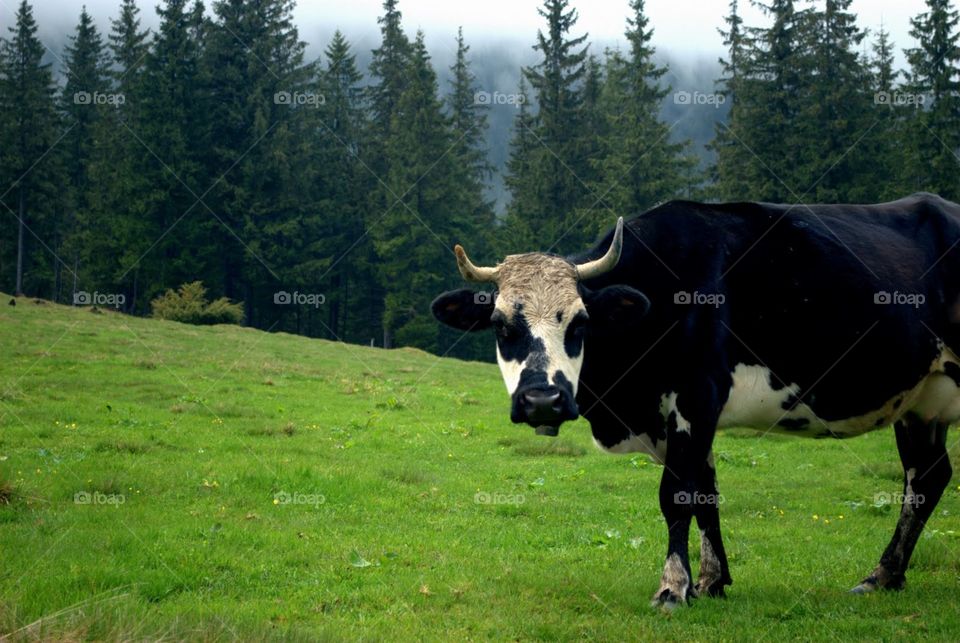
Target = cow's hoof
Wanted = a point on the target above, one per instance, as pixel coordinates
(881, 580)
(667, 600)
(866, 587)
(714, 589)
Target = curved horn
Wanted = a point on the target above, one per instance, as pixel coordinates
(607, 262)
(469, 271)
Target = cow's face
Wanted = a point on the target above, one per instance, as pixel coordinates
(540, 315)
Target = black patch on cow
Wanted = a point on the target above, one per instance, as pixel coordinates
(559, 316)
(794, 424)
(790, 403)
(561, 382)
(516, 342)
(573, 337)
(775, 383)
(672, 421)
(953, 372)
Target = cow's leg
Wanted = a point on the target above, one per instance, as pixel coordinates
(714, 571)
(690, 430)
(927, 471)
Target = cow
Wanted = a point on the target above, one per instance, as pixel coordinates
(823, 321)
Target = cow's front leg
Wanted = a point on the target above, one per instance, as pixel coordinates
(714, 571)
(689, 438)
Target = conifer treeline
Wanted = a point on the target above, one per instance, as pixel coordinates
(212, 150)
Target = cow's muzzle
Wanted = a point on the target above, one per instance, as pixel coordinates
(544, 407)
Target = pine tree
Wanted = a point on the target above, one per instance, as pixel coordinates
(112, 231)
(779, 63)
(262, 161)
(416, 234)
(30, 130)
(517, 232)
(468, 122)
(730, 171)
(881, 147)
(173, 138)
(353, 299)
(555, 166)
(85, 102)
(388, 69)
(934, 136)
(836, 109)
(639, 166)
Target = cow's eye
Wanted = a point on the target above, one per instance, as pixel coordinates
(578, 325)
(502, 329)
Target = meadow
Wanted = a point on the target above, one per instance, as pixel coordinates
(164, 481)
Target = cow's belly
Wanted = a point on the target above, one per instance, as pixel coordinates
(754, 403)
(643, 443)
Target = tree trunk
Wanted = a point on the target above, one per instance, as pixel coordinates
(18, 287)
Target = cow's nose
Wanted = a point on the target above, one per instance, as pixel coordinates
(542, 406)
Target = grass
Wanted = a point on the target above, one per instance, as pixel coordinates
(167, 481)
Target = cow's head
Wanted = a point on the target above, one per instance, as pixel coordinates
(540, 314)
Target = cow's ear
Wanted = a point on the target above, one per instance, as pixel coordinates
(620, 305)
(464, 309)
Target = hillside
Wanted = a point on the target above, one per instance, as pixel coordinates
(163, 480)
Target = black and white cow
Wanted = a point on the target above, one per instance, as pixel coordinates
(820, 321)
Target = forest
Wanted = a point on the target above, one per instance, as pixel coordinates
(325, 198)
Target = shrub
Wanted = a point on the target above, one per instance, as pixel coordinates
(189, 305)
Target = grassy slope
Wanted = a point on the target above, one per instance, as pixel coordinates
(200, 428)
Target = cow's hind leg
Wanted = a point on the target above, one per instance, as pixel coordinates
(927, 471)
(714, 571)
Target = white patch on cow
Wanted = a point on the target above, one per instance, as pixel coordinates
(675, 578)
(510, 370)
(551, 333)
(753, 403)
(642, 443)
(668, 405)
(909, 498)
(938, 397)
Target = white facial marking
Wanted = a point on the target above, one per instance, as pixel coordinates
(550, 333)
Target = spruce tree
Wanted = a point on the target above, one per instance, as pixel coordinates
(85, 102)
(934, 135)
(836, 109)
(556, 167)
(30, 170)
(639, 166)
(416, 234)
(730, 171)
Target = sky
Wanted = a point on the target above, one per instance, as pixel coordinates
(683, 28)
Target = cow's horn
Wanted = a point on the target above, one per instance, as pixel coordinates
(607, 262)
(471, 272)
